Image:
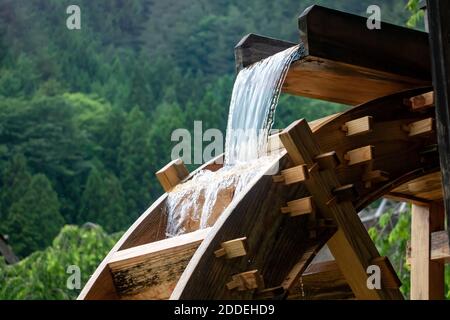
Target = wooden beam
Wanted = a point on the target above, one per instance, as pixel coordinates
(151, 271)
(358, 126)
(343, 61)
(7, 252)
(172, 174)
(292, 175)
(299, 207)
(253, 48)
(427, 277)
(351, 245)
(232, 249)
(421, 127)
(359, 156)
(438, 12)
(440, 248)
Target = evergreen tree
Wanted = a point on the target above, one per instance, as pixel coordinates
(103, 201)
(15, 181)
(134, 162)
(34, 220)
(167, 118)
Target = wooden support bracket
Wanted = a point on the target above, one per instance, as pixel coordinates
(299, 207)
(419, 128)
(292, 175)
(232, 249)
(358, 126)
(420, 102)
(359, 156)
(249, 280)
(172, 174)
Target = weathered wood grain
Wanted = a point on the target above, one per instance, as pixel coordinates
(427, 277)
(152, 270)
(341, 60)
(438, 12)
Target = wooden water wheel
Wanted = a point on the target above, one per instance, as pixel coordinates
(264, 244)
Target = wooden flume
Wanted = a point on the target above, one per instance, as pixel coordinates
(263, 244)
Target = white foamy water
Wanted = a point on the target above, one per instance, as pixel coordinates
(197, 203)
(253, 104)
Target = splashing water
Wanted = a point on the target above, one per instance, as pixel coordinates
(198, 202)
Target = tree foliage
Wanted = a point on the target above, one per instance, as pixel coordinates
(391, 235)
(103, 201)
(43, 274)
(35, 218)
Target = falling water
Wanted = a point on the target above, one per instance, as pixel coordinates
(197, 203)
(253, 104)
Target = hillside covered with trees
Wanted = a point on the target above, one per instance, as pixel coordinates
(86, 115)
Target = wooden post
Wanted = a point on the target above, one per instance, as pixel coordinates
(427, 277)
(438, 12)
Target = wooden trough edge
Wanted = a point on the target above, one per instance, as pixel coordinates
(338, 53)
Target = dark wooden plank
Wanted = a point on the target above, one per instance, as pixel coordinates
(253, 48)
(439, 32)
(344, 37)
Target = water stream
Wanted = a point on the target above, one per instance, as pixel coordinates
(197, 203)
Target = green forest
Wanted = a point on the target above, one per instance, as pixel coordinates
(86, 115)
